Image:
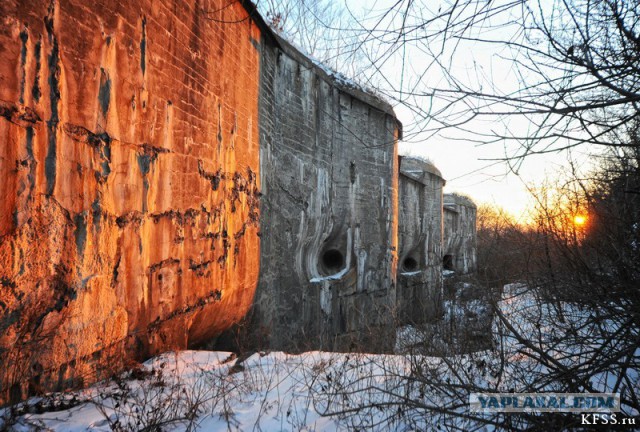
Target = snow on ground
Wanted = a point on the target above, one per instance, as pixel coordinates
(215, 391)
(571, 337)
(268, 392)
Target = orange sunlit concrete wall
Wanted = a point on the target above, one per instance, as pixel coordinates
(129, 179)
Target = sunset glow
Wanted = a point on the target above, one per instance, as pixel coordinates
(579, 220)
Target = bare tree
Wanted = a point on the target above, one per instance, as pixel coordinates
(322, 29)
(544, 75)
(576, 65)
(537, 77)
(504, 247)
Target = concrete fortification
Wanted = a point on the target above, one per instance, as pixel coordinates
(459, 234)
(329, 174)
(129, 177)
(166, 167)
(419, 294)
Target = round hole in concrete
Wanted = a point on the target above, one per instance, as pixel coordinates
(409, 264)
(447, 262)
(333, 260)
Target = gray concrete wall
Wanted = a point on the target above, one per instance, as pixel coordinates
(419, 292)
(459, 234)
(329, 172)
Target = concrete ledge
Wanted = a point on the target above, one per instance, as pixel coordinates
(455, 199)
(336, 79)
(416, 169)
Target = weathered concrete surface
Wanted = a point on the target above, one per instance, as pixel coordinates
(129, 179)
(459, 234)
(329, 211)
(419, 292)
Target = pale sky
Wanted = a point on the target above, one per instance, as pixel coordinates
(467, 167)
(470, 168)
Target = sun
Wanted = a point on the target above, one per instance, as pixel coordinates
(579, 220)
